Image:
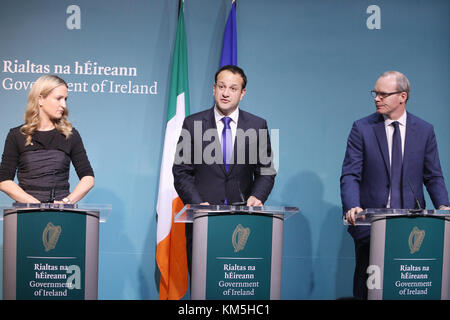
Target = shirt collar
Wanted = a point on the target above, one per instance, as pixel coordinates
(219, 115)
(401, 120)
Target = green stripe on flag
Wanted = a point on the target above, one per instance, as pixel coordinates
(179, 75)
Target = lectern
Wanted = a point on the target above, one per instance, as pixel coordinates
(409, 253)
(50, 251)
(236, 250)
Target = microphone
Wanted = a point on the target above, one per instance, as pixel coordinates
(242, 202)
(52, 192)
(417, 206)
(52, 195)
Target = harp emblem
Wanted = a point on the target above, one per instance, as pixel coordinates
(50, 236)
(415, 239)
(240, 237)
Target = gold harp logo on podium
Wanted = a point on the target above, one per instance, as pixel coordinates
(50, 236)
(240, 237)
(415, 239)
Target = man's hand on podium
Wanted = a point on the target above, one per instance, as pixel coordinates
(253, 201)
(350, 216)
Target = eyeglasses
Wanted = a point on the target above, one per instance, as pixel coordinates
(383, 94)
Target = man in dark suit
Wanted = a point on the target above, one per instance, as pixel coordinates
(224, 154)
(390, 155)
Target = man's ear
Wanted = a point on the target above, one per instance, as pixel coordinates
(242, 94)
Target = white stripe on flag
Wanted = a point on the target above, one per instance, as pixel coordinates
(166, 192)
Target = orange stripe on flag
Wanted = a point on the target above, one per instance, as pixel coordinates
(172, 259)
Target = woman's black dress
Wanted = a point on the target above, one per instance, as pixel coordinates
(43, 167)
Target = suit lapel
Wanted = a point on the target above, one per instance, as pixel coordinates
(410, 135)
(241, 125)
(210, 121)
(380, 133)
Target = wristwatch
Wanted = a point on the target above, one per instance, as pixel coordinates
(66, 200)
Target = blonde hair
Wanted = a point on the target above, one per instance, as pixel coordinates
(42, 87)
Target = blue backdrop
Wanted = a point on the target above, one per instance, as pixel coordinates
(310, 67)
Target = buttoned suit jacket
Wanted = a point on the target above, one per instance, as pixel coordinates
(197, 181)
(365, 179)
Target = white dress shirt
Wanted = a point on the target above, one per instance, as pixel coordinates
(390, 132)
(233, 123)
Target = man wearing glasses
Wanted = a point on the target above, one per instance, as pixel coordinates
(389, 155)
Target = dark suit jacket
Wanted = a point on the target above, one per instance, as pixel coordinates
(196, 181)
(365, 175)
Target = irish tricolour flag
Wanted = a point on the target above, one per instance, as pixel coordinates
(171, 240)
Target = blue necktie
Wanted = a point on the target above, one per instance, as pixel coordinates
(396, 168)
(227, 143)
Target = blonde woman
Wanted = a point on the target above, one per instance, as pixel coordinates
(42, 149)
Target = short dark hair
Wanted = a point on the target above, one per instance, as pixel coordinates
(235, 70)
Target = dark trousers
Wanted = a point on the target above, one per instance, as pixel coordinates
(362, 252)
(189, 234)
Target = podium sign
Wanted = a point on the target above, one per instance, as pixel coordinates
(50, 252)
(236, 251)
(409, 254)
(239, 255)
(48, 258)
(413, 258)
